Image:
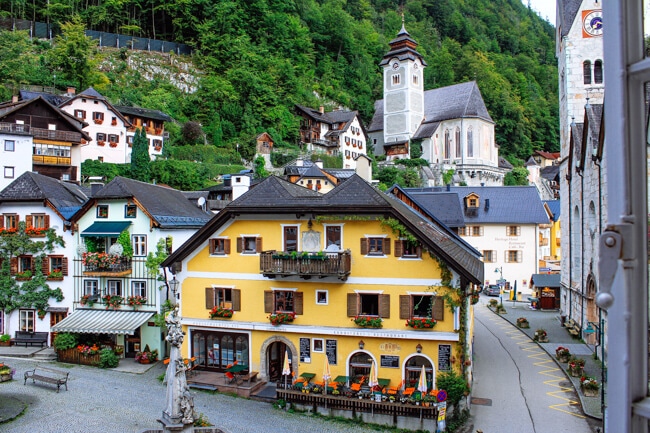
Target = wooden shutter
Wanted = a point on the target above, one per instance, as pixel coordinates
(212, 245)
(47, 221)
(226, 246)
(240, 242)
(32, 262)
(2, 221)
(13, 265)
(45, 265)
(384, 306)
(268, 301)
(519, 256)
(297, 302)
(353, 305)
(398, 247)
(29, 221)
(258, 245)
(364, 246)
(518, 230)
(386, 245)
(404, 307)
(236, 299)
(209, 298)
(438, 308)
(65, 266)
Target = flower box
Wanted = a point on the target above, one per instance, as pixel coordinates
(280, 318)
(88, 300)
(220, 313)
(562, 354)
(98, 121)
(36, 232)
(112, 301)
(368, 321)
(136, 301)
(101, 143)
(421, 323)
(522, 322)
(112, 144)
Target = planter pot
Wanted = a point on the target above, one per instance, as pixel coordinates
(5, 377)
(564, 358)
(590, 392)
(145, 361)
(523, 325)
(576, 372)
(5, 343)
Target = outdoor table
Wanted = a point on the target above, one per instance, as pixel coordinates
(307, 377)
(237, 368)
(341, 379)
(383, 383)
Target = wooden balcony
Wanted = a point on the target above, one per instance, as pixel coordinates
(543, 242)
(22, 129)
(51, 160)
(274, 264)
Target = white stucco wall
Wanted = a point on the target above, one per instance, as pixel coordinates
(20, 159)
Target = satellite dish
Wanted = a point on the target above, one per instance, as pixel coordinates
(201, 201)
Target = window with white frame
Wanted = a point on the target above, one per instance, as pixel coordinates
(10, 145)
(27, 322)
(10, 221)
(513, 230)
(9, 172)
(322, 297)
(114, 287)
(223, 297)
(139, 288)
(139, 245)
(249, 244)
(39, 221)
(91, 287)
(56, 264)
(375, 246)
(219, 246)
(514, 256)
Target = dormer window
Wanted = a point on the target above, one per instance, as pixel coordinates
(472, 201)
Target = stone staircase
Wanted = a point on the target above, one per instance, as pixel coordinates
(47, 354)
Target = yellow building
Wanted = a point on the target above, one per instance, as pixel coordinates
(310, 275)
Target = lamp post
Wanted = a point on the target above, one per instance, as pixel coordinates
(173, 285)
(499, 271)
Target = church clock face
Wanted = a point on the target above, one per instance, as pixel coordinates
(592, 23)
(395, 65)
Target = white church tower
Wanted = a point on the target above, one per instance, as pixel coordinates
(403, 90)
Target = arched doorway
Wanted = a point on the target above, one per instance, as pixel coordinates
(359, 366)
(592, 309)
(413, 370)
(275, 354)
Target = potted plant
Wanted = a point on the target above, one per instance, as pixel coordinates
(147, 356)
(86, 350)
(367, 321)
(562, 354)
(112, 301)
(421, 323)
(576, 366)
(589, 386)
(24, 276)
(218, 312)
(541, 336)
(280, 318)
(522, 322)
(88, 300)
(5, 340)
(493, 303)
(6, 373)
(55, 275)
(136, 301)
(501, 309)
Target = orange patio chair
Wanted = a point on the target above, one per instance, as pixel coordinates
(409, 391)
(229, 377)
(356, 387)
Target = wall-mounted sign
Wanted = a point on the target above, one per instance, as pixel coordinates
(389, 361)
(305, 350)
(444, 357)
(330, 351)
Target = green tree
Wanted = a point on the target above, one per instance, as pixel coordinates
(72, 52)
(260, 170)
(140, 159)
(34, 293)
(518, 176)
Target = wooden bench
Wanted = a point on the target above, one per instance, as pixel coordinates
(573, 328)
(48, 375)
(250, 377)
(31, 338)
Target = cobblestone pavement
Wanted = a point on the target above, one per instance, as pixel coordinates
(112, 401)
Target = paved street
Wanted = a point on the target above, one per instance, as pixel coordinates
(518, 387)
(109, 401)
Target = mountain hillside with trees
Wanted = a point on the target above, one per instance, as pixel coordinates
(253, 60)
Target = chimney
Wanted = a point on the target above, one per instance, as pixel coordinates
(487, 204)
(95, 187)
(321, 109)
(299, 162)
(71, 90)
(319, 163)
(240, 185)
(14, 98)
(448, 187)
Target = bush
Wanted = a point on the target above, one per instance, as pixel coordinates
(108, 358)
(454, 384)
(65, 341)
(418, 162)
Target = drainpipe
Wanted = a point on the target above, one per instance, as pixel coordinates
(570, 252)
(582, 250)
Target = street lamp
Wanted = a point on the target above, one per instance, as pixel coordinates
(499, 270)
(173, 285)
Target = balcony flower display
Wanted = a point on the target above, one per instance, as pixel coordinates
(8, 231)
(136, 301)
(86, 350)
(55, 275)
(280, 318)
(88, 300)
(37, 232)
(368, 321)
(112, 301)
(24, 276)
(218, 312)
(421, 323)
(98, 260)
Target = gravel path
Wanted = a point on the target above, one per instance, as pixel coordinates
(109, 401)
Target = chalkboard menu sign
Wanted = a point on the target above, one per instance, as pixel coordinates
(305, 350)
(389, 361)
(444, 357)
(330, 351)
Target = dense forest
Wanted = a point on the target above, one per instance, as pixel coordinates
(255, 59)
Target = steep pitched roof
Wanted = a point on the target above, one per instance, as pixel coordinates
(567, 11)
(546, 280)
(403, 48)
(65, 198)
(550, 173)
(555, 208)
(457, 101)
(353, 197)
(143, 112)
(444, 206)
(168, 207)
(344, 117)
(55, 100)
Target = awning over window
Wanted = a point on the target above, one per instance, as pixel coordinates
(103, 322)
(106, 229)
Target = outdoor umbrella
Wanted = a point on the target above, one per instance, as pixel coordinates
(372, 377)
(286, 368)
(327, 375)
(514, 293)
(422, 384)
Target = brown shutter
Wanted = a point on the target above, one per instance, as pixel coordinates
(226, 246)
(439, 308)
(258, 245)
(239, 244)
(13, 265)
(212, 245)
(32, 264)
(268, 301)
(386, 246)
(364, 246)
(65, 267)
(45, 265)
(297, 303)
(384, 306)
(352, 304)
(398, 248)
(47, 221)
(209, 298)
(404, 307)
(236, 299)
(2, 221)
(29, 221)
